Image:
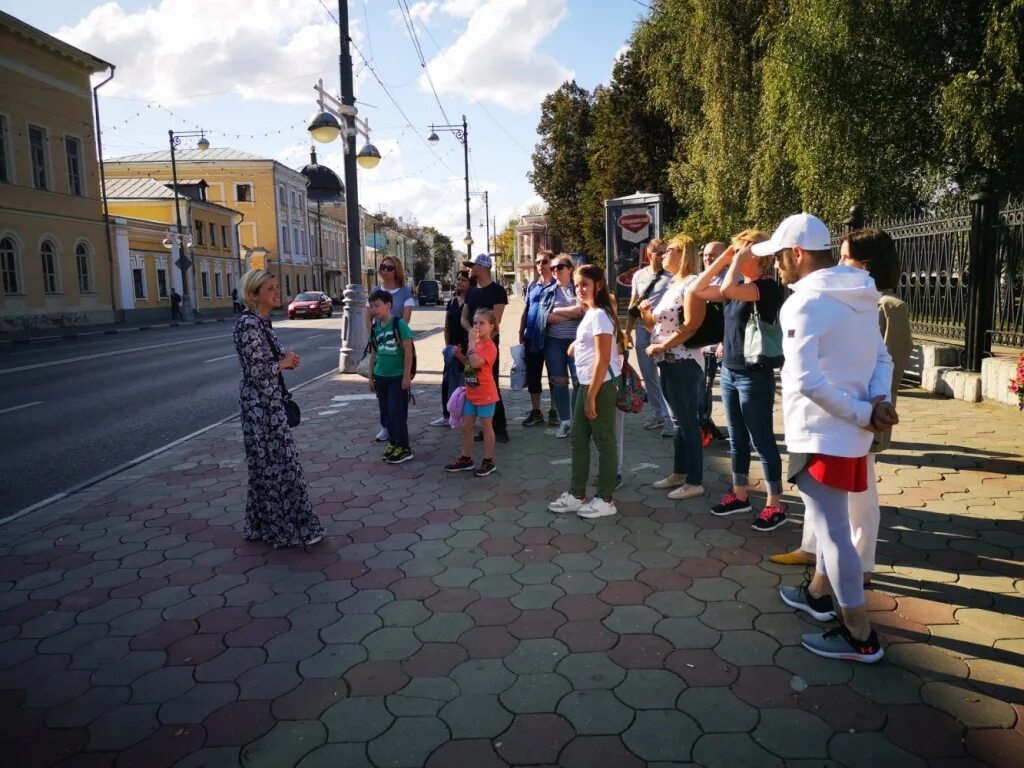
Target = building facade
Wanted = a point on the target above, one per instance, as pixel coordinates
(55, 265)
(532, 235)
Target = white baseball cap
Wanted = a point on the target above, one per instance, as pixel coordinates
(802, 230)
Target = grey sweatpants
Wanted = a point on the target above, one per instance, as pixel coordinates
(828, 508)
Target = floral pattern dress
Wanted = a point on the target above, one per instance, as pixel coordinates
(278, 510)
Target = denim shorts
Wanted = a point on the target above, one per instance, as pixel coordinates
(483, 411)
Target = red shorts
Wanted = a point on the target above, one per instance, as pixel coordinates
(840, 472)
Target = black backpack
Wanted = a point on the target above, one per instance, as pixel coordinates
(712, 328)
(398, 341)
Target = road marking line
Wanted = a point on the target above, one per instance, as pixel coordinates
(19, 407)
(113, 353)
(136, 461)
(225, 357)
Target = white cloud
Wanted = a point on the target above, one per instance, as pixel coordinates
(423, 11)
(495, 58)
(183, 49)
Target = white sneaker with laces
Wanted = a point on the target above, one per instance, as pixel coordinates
(597, 507)
(686, 492)
(382, 436)
(566, 503)
(563, 430)
(654, 423)
(440, 421)
(669, 482)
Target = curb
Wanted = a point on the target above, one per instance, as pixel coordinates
(138, 460)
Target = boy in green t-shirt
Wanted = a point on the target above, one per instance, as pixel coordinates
(391, 354)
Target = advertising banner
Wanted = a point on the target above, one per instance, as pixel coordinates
(630, 223)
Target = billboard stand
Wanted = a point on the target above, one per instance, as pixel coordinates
(630, 223)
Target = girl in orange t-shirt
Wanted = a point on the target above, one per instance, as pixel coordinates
(481, 394)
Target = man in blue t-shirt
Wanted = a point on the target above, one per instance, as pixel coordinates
(531, 337)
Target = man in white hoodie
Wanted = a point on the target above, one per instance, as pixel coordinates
(835, 395)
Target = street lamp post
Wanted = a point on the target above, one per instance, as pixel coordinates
(487, 218)
(461, 133)
(183, 241)
(325, 128)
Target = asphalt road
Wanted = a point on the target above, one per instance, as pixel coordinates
(73, 409)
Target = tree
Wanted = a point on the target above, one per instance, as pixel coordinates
(505, 246)
(444, 256)
(421, 259)
(560, 160)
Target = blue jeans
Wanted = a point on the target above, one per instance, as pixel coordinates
(682, 383)
(561, 369)
(748, 397)
(393, 402)
(451, 378)
(649, 373)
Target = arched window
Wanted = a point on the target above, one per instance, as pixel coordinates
(9, 266)
(83, 266)
(48, 264)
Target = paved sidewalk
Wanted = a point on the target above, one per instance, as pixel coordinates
(454, 621)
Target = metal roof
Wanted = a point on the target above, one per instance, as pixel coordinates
(189, 156)
(138, 189)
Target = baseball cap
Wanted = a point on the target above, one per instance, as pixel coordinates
(802, 230)
(480, 260)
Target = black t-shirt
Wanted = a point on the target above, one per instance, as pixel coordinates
(737, 313)
(487, 298)
(453, 323)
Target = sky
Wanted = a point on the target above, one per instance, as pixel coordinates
(244, 71)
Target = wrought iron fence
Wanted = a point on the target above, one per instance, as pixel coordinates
(935, 253)
(1008, 325)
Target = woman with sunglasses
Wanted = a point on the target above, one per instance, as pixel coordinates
(392, 280)
(560, 313)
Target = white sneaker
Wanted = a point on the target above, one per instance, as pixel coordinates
(563, 429)
(566, 503)
(654, 423)
(314, 540)
(597, 507)
(686, 492)
(382, 436)
(440, 421)
(669, 430)
(669, 482)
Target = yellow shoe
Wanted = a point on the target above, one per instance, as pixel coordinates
(796, 557)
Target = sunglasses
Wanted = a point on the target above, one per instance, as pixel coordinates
(542, 262)
(387, 267)
(562, 266)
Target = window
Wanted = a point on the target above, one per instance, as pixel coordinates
(161, 283)
(9, 266)
(206, 284)
(213, 234)
(287, 285)
(305, 243)
(295, 241)
(295, 199)
(82, 268)
(199, 232)
(73, 152)
(5, 152)
(48, 257)
(216, 285)
(243, 193)
(223, 236)
(230, 286)
(139, 280)
(284, 239)
(37, 154)
(282, 198)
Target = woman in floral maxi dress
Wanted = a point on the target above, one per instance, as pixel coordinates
(277, 510)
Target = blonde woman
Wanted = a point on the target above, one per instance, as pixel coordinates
(748, 387)
(277, 510)
(671, 321)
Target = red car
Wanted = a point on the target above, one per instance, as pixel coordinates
(310, 304)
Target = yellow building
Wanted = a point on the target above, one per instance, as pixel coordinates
(55, 261)
(277, 231)
(143, 215)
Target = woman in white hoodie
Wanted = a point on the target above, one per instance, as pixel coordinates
(835, 392)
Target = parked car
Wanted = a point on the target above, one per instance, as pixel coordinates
(428, 292)
(311, 304)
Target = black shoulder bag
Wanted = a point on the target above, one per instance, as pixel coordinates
(634, 311)
(292, 411)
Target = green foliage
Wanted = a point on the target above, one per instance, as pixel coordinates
(444, 256)
(742, 111)
(421, 258)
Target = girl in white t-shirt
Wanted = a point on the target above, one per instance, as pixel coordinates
(598, 365)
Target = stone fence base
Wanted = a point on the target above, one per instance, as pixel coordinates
(940, 372)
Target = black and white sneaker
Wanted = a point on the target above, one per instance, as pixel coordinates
(820, 608)
(731, 504)
(838, 643)
(533, 419)
(486, 467)
(461, 464)
(400, 455)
